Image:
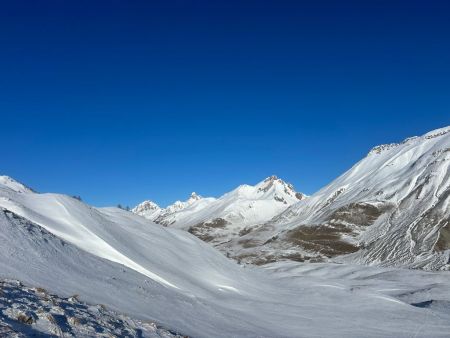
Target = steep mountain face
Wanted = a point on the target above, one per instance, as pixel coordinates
(219, 220)
(169, 277)
(392, 208)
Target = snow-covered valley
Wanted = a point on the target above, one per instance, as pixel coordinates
(390, 211)
(209, 295)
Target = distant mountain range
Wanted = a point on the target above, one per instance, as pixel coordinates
(391, 209)
(220, 220)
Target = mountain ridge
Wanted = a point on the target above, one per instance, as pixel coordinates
(219, 219)
(398, 191)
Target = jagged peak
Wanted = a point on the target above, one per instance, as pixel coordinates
(273, 181)
(146, 205)
(270, 181)
(194, 197)
(179, 205)
(271, 178)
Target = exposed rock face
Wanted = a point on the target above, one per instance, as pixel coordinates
(34, 312)
(443, 242)
(203, 229)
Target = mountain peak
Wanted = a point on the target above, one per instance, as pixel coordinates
(148, 208)
(194, 197)
(271, 178)
(12, 184)
(269, 182)
(279, 187)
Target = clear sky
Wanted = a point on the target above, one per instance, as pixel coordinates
(121, 101)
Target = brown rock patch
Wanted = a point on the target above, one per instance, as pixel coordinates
(322, 239)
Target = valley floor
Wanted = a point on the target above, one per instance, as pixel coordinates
(410, 303)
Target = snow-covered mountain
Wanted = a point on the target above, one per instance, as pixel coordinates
(219, 220)
(166, 216)
(167, 276)
(147, 209)
(392, 208)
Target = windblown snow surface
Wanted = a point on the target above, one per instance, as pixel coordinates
(149, 272)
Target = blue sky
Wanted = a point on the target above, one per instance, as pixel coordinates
(120, 101)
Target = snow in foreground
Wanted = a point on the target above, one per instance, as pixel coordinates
(27, 311)
(167, 276)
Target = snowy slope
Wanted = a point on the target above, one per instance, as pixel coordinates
(391, 208)
(219, 220)
(7, 183)
(33, 312)
(179, 211)
(112, 234)
(113, 257)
